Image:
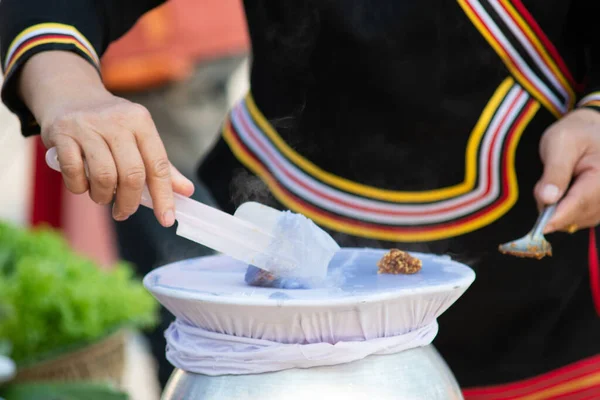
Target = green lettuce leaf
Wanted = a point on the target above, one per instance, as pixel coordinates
(52, 298)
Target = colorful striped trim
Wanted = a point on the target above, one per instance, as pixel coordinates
(45, 34)
(527, 52)
(591, 100)
(577, 381)
(466, 186)
(311, 191)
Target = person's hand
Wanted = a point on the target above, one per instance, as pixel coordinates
(123, 152)
(116, 138)
(570, 151)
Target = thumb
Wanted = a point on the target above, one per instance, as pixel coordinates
(559, 156)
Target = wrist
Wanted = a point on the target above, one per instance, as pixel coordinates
(52, 81)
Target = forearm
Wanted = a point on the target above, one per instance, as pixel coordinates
(83, 27)
(52, 76)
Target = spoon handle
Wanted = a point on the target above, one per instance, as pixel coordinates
(543, 219)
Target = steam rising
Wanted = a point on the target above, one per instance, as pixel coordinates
(247, 187)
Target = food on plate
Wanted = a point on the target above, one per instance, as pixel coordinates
(259, 277)
(398, 262)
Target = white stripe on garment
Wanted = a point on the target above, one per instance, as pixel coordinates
(50, 31)
(240, 116)
(530, 49)
(375, 204)
(595, 96)
(521, 64)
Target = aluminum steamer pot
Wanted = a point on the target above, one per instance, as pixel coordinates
(417, 374)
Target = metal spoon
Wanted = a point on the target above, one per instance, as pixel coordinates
(534, 244)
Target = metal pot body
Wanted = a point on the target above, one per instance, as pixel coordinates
(417, 374)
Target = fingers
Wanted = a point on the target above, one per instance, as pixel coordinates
(71, 164)
(158, 167)
(181, 184)
(102, 169)
(570, 150)
(123, 151)
(579, 208)
(559, 154)
(131, 174)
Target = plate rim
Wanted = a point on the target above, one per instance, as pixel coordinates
(157, 290)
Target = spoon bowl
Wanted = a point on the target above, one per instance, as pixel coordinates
(534, 244)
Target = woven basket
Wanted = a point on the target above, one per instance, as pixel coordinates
(101, 361)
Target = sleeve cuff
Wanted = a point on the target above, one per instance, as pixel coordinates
(591, 100)
(33, 40)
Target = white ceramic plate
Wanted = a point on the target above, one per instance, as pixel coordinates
(353, 275)
(210, 292)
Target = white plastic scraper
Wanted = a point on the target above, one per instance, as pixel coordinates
(284, 244)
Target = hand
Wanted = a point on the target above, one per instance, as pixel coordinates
(570, 151)
(117, 138)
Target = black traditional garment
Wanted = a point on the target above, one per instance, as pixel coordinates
(406, 124)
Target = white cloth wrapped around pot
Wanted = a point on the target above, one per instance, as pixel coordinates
(196, 350)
